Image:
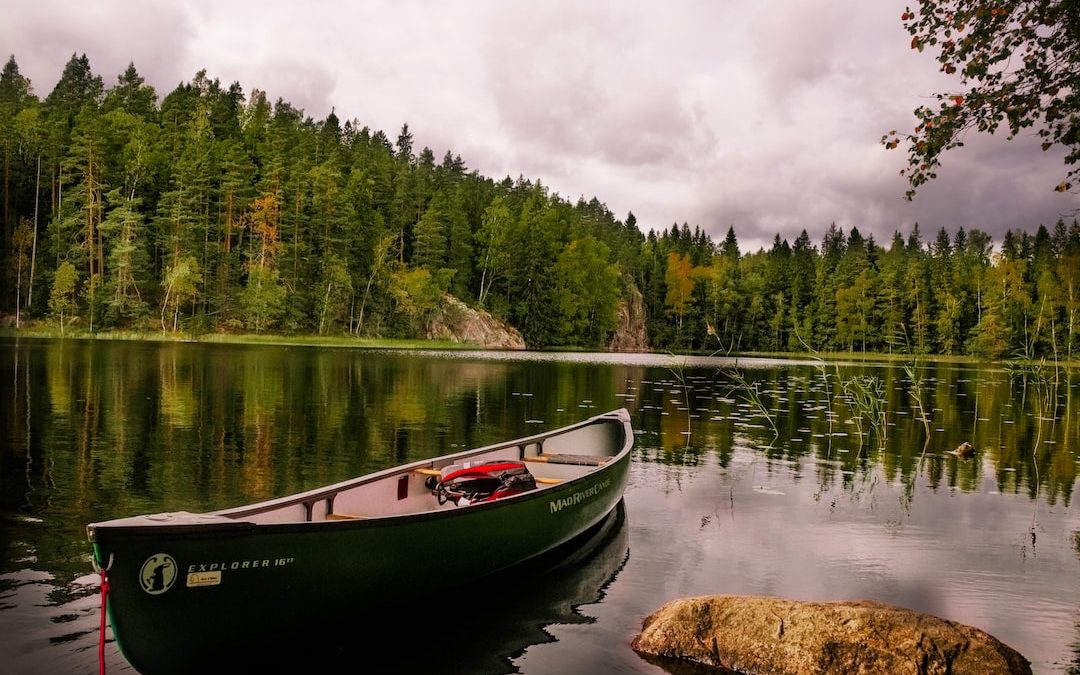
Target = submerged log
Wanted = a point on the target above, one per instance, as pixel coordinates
(774, 636)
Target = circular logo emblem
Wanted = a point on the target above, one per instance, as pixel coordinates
(158, 573)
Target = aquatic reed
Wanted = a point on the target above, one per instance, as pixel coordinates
(1044, 379)
(865, 396)
(677, 370)
(751, 394)
(915, 391)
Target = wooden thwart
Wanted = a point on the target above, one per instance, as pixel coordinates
(343, 516)
(585, 460)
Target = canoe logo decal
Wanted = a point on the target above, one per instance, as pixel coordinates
(578, 497)
(158, 573)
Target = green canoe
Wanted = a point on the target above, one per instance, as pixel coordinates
(191, 591)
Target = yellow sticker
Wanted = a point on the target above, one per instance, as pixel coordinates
(203, 578)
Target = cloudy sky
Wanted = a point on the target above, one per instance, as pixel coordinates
(765, 115)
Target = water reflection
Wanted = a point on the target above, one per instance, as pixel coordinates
(483, 627)
(1025, 439)
(91, 431)
(321, 414)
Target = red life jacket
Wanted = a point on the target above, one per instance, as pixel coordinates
(484, 482)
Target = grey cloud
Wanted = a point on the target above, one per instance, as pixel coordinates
(992, 185)
(995, 185)
(307, 86)
(43, 35)
(800, 46)
(579, 86)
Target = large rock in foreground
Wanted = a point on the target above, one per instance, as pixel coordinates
(759, 636)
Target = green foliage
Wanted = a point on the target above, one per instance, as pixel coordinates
(460, 246)
(533, 245)
(429, 245)
(21, 242)
(62, 296)
(263, 298)
(337, 281)
(218, 212)
(181, 283)
(586, 293)
(494, 245)
(417, 293)
(1017, 64)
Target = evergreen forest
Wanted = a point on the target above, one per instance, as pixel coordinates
(212, 210)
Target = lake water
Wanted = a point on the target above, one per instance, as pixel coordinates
(827, 506)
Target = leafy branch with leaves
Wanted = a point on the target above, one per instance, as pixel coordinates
(1019, 67)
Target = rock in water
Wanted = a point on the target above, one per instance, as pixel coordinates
(774, 636)
(965, 450)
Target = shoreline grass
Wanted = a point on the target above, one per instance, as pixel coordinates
(280, 339)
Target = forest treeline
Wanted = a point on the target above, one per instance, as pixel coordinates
(213, 210)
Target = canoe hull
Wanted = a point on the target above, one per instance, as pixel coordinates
(221, 592)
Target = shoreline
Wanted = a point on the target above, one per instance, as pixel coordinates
(349, 342)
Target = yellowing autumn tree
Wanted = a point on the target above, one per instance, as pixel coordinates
(263, 297)
(680, 286)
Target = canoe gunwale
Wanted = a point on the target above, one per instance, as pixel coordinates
(232, 520)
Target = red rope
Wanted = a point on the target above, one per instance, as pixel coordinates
(104, 601)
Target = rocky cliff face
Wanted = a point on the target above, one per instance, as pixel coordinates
(630, 335)
(457, 322)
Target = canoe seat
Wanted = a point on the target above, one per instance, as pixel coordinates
(344, 516)
(428, 472)
(548, 481)
(585, 460)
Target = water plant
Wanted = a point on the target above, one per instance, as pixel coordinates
(912, 371)
(865, 396)
(751, 394)
(1044, 380)
(823, 373)
(678, 371)
(915, 391)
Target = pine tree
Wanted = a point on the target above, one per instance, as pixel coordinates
(124, 234)
(404, 145)
(132, 95)
(459, 255)
(429, 247)
(730, 247)
(14, 97)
